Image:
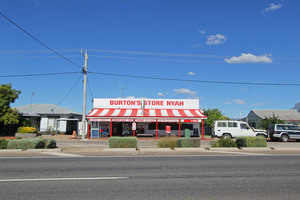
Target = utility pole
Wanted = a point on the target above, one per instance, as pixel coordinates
(84, 71)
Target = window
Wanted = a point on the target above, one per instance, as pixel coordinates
(222, 124)
(52, 123)
(232, 124)
(244, 126)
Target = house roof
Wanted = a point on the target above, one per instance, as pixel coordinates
(286, 115)
(39, 109)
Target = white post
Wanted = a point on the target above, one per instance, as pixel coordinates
(84, 70)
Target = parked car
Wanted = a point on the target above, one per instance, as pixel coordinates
(283, 132)
(233, 129)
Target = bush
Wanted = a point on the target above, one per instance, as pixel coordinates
(3, 143)
(122, 142)
(49, 143)
(189, 142)
(51, 131)
(251, 142)
(169, 142)
(31, 143)
(27, 130)
(224, 142)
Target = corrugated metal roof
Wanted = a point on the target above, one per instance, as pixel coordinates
(286, 115)
(38, 109)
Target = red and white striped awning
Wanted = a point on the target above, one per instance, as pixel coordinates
(146, 113)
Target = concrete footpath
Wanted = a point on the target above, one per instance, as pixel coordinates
(69, 147)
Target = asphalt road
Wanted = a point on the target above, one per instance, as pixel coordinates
(154, 177)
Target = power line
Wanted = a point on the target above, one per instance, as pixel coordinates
(88, 84)
(38, 51)
(38, 57)
(197, 81)
(175, 54)
(156, 54)
(46, 74)
(156, 59)
(68, 92)
(37, 40)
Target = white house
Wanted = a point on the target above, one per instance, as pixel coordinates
(49, 116)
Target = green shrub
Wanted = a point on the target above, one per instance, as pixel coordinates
(49, 143)
(122, 142)
(31, 143)
(224, 142)
(27, 130)
(169, 142)
(3, 143)
(189, 142)
(51, 131)
(251, 142)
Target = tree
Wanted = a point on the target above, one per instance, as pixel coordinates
(270, 120)
(213, 115)
(297, 107)
(9, 118)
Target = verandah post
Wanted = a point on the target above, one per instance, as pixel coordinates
(133, 130)
(202, 128)
(156, 128)
(179, 129)
(111, 127)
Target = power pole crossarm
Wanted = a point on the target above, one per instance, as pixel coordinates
(84, 70)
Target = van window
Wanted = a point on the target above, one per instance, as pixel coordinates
(282, 127)
(244, 126)
(232, 124)
(222, 124)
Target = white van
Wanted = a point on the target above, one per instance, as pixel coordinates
(233, 129)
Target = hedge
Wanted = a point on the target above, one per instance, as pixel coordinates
(224, 142)
(251, 142)
(189, 142)
(49, 143)
(27, 130)
(122, 142)
(169, 142)
(31, 143)
(3, 143)
(173, 142)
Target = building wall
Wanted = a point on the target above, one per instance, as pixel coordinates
(253, 120)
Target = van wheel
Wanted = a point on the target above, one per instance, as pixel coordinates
(284, 138)
(226, 135)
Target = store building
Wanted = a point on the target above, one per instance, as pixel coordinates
(145, 117)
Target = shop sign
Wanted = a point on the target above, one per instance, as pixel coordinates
(168, 129)
(133, 127)
(147, 103)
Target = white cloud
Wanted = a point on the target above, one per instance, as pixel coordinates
(227, 102)
(191, 73)
(160, 94)
(215, 39)
(248, 58)
(239, 101)
(184, 91)
(272, 7)
(244, 89)
(259, 104)
(202, 32)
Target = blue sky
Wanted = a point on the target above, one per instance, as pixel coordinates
(251, 41)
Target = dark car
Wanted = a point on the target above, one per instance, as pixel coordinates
(283, 132)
